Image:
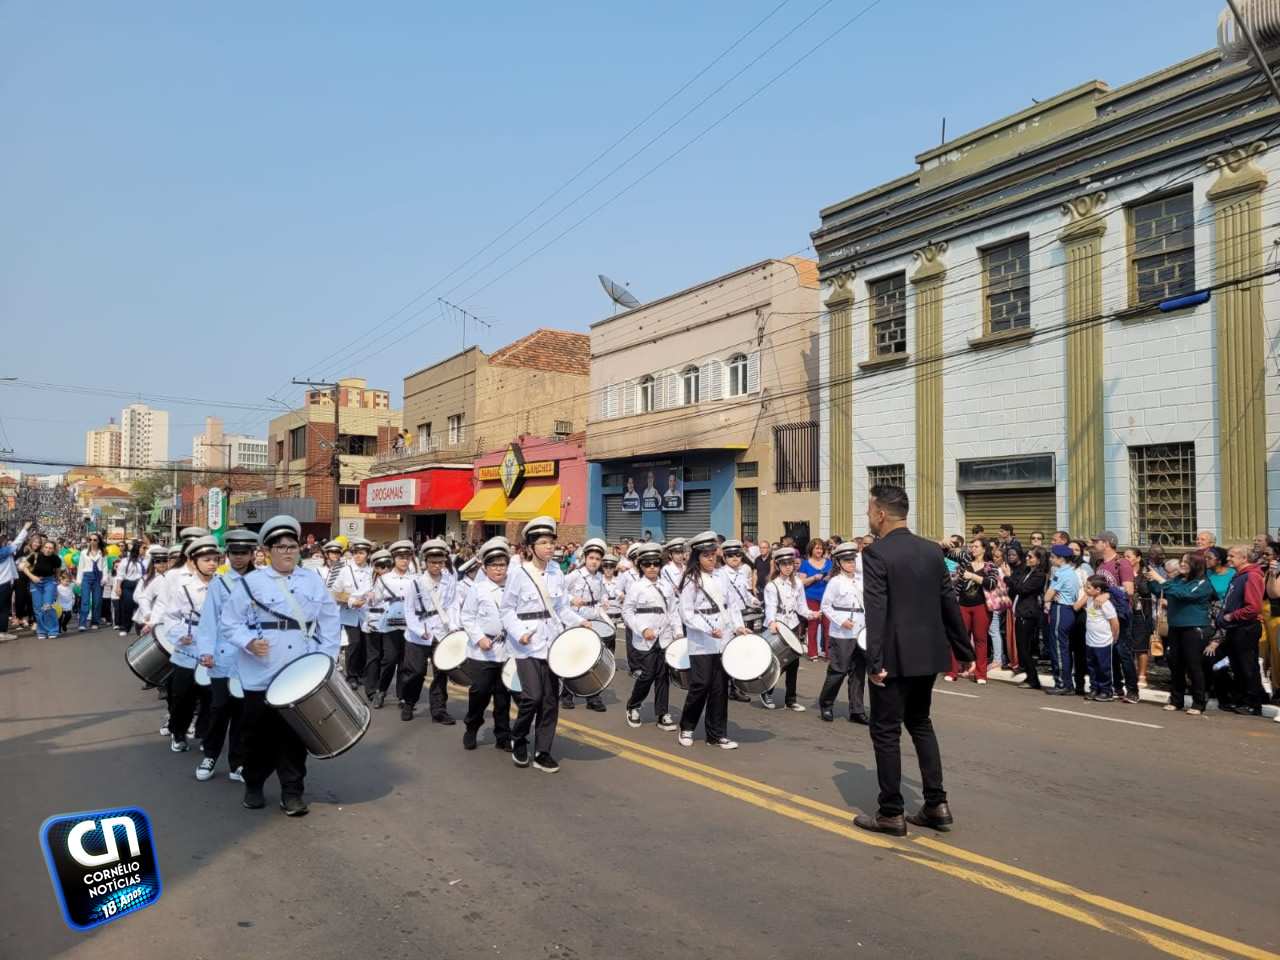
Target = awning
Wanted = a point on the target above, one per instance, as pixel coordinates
(487, 504)
(536, 502)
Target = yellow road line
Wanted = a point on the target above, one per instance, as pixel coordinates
(750, 791)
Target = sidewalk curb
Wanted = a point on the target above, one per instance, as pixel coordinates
(1159, 697)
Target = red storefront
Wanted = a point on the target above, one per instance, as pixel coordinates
(426, 502)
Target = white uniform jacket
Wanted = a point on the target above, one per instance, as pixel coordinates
(589, 588)
(210, 638)
(701, 615)
(481, 617)
(181, 616)
(387, 598)
(652, 606)
(784, 602)
(425, 622)
(842, 600)
(525, 611)
(355, 582)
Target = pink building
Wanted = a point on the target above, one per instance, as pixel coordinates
(529, 477)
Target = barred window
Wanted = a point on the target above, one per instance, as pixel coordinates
(1164, 252)
(893, 474)
(795, 449)
(1008, 295)
(889, 315)
(1162, 494)
(749, 468)
(699, 474)
(749, 508)
(348, 495)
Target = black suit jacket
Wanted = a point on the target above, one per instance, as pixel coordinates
(913, 617)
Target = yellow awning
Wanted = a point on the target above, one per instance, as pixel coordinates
(535, 502)
(488, 504)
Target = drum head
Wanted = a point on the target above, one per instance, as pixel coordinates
(747, 657)
(604, 630)
(202, 675)
(678, 654)
(862, 639)
(299, 679)
(511, 679)
(159, 633)
(450, 651)
(233, 686)
(574, 652)
(790, 639)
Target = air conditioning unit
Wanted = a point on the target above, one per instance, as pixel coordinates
(563, 428)
(1261, 18)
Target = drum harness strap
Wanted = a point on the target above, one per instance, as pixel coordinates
(334, 571)
(788, 612)
(385, 594)
(194, 618)
(541, 587)
(496, 592)
(435, 602)
(857, 600)
(282, 622)
(710, 591)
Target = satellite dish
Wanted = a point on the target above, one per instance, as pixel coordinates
(618, 293)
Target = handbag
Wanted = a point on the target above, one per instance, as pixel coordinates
(999, 599)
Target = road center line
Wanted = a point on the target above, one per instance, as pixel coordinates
(1094, 716)
(957, 693)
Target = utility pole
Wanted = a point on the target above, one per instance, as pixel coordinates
(335, 463)
(173, 514)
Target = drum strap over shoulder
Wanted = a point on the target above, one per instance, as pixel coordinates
(712, 593)
(435, 600)
(542, 591)
(301, 624)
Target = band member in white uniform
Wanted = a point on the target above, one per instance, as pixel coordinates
(277, 614)
(585, 586)
(673, 571)
(332, 562)
(216, 652)
(466, 573)
(711, 618)
(535, 610)
(652, 614)
(612, 586)
(180, 618)
(355, 580)
(430, 614)
(386, 622)
(842, 606)
(740, 580)
(784, 603)
(487, 651)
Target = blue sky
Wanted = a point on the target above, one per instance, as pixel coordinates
(205, 200)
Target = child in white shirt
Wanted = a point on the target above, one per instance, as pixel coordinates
(66, 599)
(1101, 629)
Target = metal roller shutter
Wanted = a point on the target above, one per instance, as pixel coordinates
(1026, 510)
(619, 523)
(694, 519)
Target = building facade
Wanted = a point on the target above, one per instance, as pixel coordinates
(705, 409)
(529, 477)
(102, 446)
(216, 450)
(1061, 320)
(144, 436)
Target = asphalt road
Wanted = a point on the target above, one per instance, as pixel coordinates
(1076, 836)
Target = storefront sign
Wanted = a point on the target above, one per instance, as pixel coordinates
(654, 485)
(392, 493)
(514, 470)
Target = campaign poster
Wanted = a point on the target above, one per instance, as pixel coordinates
(654, 485)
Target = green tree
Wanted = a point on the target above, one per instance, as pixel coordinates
(146, 489)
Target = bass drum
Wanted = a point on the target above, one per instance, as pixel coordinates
(606, 631)
(148, 658)
(862, 639)
(511, 679)
(318, 704)
(582, 662)
(749, 661)
(677, 656)
(450, 658)
(786, 646)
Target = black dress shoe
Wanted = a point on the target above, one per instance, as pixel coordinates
(444, 718)
(936, 817)
(468, 740)
(379, 700)
(504, 745)
(736, 694)
(406, 711)
(596, 705)
(566, 703)
(826, 714)
(860, 718)
(1230, 708)
(894, 826)
(253, 798)
(293, 807)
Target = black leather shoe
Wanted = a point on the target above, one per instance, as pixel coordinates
(736, 694)
(379, 700)
(826, 714)
(894, 826)
(1230, 708)
(293, 807)
(253, 798)
(860, 718)
(504, 745)
(468, 740)
(937, 817)
(566, 703)
(444, 718)
(596, 705)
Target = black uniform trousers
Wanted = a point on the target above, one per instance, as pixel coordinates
(846, 659)
(649, 667)
(486, 685)
(709, 688)
(355, 652)
(416, 658)
(904, 702)
(790, 674)
(1184, 651)
(271, 746)
(1079, 655)
(225, 713)
(1026, 633)
(127, 606)
(1242, 650)
(540, 701)
(185, 697)
(383, 653)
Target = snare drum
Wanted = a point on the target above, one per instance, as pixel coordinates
(319, 705)
(606, 631)
(753, 620)
(148, 658)
(749, 661)
(786, 646)
(862, 639)
(677, 655)
(202, 675)
(450, 658)
(511, 679)
(581, 660)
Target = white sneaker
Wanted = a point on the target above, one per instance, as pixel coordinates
(633, 718)
(686, 738)
(949, 679)
(237, 775)
(724, 743)
(666, 722)
(124, 633)
(191, 730)
(82, 629)
(981, 681)
(164, 727)
(797, 707)
(178, 746)
(205, 770)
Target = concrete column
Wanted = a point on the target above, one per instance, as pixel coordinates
(928, 280)
(840, 392)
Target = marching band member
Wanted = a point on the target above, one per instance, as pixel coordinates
(487, 651)
(216, 652)
(628, 578)
(144, 599)
(843, 608)
(653, 617)
(386, 620)
(180, 618)
(710, 618)
(281, 613)
(612, 604)
(784, 603)
(740, 580)
(355, 579)
(430, 614)
(674, 550)
(535, 610)
(585, 587)
(466, 572)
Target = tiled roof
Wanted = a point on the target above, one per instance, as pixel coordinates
(806, 269)
(108, 492)
(556, 351)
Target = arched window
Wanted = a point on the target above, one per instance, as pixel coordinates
(691, 378)
(647, 395)
(738, 375)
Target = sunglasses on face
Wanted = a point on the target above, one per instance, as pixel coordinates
(382, 565)
(646, 564)
(786, 563)
(239, 551)
(732, 554)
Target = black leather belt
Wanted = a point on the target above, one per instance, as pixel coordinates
(540, 615)
(377, 609)
(650, 610)
(280, 625)
(394, 622)
(847, 609)
(710, 610)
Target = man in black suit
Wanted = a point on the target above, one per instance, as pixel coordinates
(912, 616)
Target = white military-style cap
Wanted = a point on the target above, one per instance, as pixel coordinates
(707, 540)
(595, 543)
(539, 527)
(241, 537)
(157, 552)
(846, 549)
(359, 543)
(635, 548)
(402, 546)
(466, 566)
(203, 547)
(380, 556)
(190, 533)
(729, 545)
(496, 547)
(432, 548)
(177, 551)
(679, 544)
(785, 553)
(648, 551)
(333, 546)
(280, 526)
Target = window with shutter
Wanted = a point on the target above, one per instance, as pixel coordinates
(629, 398)
(609, 403)
(712, 379)
(753, 372)
(673, 389)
